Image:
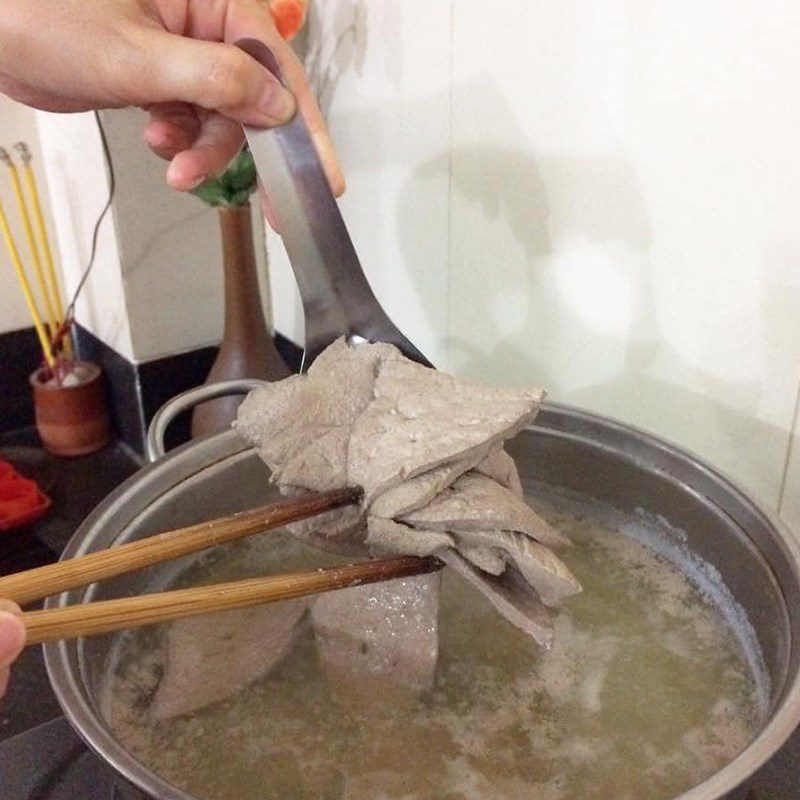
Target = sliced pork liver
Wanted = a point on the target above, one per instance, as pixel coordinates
(210, 658)
(379, 641)
(510, 594)
(488, 559)
(417, 492)
(475, 502)
(427, 449)
(421, 419)
(499, 466)
(301, 425)
(541, 567)
(387, 536)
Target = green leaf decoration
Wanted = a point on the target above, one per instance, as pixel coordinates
(233, 187)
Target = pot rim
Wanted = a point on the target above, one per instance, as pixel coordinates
(780, 725)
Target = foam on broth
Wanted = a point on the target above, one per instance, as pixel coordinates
(646, 692)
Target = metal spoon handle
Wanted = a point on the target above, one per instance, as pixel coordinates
(337, 299)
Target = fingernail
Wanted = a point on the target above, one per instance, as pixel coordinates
(10, 606)
(196, 182)
(276, 103)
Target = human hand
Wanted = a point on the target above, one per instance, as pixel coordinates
(12, 639)
(174, 58)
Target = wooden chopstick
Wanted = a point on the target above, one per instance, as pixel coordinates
(90, 619)
(34, 584)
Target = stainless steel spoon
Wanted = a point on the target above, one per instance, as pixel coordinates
(337, 298)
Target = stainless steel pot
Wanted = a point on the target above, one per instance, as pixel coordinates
(756, 556)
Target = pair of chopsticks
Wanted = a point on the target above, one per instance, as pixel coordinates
(50, 331)
(105, 616)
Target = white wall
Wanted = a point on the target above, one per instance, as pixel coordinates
(169, 249)
(18, 124)
(156, 287)
(79, 185)
(598, 198)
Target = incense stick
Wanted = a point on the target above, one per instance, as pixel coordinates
(28, 228)
(44, 341)
(52, 276)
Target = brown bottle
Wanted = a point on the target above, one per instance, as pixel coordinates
(247, 349)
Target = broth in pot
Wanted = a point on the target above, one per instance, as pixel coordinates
(654, 682)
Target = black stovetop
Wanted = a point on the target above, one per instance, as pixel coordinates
(41, 757)
(51, 762)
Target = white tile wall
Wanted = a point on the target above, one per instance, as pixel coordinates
(385, 90)
(78, 185)
(169, 249)
(790, 491)
(156, 287)
(628, 194)
(600, 198)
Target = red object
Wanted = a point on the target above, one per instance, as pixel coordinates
(288, 15)
(21, 500)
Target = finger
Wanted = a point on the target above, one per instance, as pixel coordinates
(43, 99)
(213, 75)
(173, 127)
(12, 637)
(250, 19)
(219, 141)
(307, 104)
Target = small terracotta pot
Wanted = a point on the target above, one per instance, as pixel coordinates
(72, 420)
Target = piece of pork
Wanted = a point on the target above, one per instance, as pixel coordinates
(510, 594)
(540, 566)
(417, 492)
(301, 425)
(322, 462)
(428, 451)
(475, 502)
(210, 658)
(341, 530)
(284, 418)
(386, 536)
(379, 642)
(488, 559)
(421, 419)
(499, 466)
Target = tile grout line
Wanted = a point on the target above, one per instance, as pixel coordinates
(789, 450)
(448, 265)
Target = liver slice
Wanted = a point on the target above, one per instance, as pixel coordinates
(510, 594)
(427, 449)
(475, 502)
(211, 657)
(539, 566)
(379, 642)
(421, 419)
(499, 466)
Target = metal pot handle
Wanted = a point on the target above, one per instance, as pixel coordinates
(186, 400)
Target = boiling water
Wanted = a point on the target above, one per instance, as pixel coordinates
(645, 693)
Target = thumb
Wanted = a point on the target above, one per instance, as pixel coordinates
(215, 76)
(12, 634)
